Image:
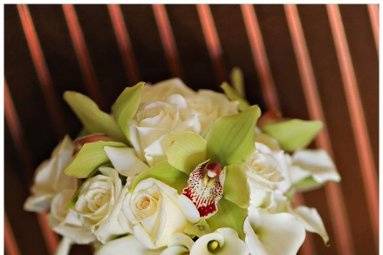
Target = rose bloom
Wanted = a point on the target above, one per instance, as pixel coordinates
(155, 213)
(171, 106)
(97, 197)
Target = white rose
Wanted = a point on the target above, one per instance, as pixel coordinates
(155, 213)
(65, 221)
(171, 106)
(50, 178)
(224, 241)
(209, 106)
(155, 120)
(273, 233)
(268, 169)
(97, 197)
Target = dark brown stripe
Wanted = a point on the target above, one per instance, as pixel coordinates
(124, 44)
(358, 122)
(212, 41)
(13, 123)
(82, 53)
(334, 193)
(41, 68)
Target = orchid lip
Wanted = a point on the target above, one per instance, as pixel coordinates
(205, 188)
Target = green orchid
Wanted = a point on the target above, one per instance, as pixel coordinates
(228, 143)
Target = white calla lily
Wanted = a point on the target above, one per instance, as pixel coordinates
(312, 221)
(313, 163)
(224, 241)
(50, 178)
(273, 233)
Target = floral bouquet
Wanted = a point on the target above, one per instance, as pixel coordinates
(173, 171)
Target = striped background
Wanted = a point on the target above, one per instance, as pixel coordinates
(307, 61)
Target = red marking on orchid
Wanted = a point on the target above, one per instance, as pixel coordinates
(205, 187)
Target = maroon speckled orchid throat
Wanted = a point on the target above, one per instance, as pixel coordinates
(205, 187)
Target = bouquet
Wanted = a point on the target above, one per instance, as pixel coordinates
(174, 171)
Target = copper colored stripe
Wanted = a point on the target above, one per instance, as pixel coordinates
(123, 41)
(41, 68)
(260, 56)
(167, 38)
(358, 121)
(49, 235)
(82, 53)
(335, 198)
(11, 247)
(373, 11)
(212, 40)
(18, 138)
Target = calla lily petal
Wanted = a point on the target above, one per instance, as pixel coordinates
(313, 163)
(312, 221)
(273, 234)
(224, 241)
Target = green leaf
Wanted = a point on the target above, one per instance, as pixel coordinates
(185, 150)
(236, 189)
(90, 156)
(126, 106)
(293, 134)
(233, 95)
(236, 77)
(228, 215)
(165, 173)
(231, 138)
(93, 119)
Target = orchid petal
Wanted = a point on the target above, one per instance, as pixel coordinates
(90, 156)
(93, 119)
(231, 138)
(293, 134)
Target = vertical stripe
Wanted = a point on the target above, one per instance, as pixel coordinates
(82, 53)
(11, 247)
(358, 121)
(18, 138)
(333, 192)
(167, 38)
(212, 40)
(41, 68)
(260, 57)
(123, 41)
(267, 85)
(373, 11)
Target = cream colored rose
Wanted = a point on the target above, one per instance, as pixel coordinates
(155, 213)
(156, 119)
(171, 106)
(268, 169)
(209, 106)
(97, 198)
(50, 178)
(66, 221)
